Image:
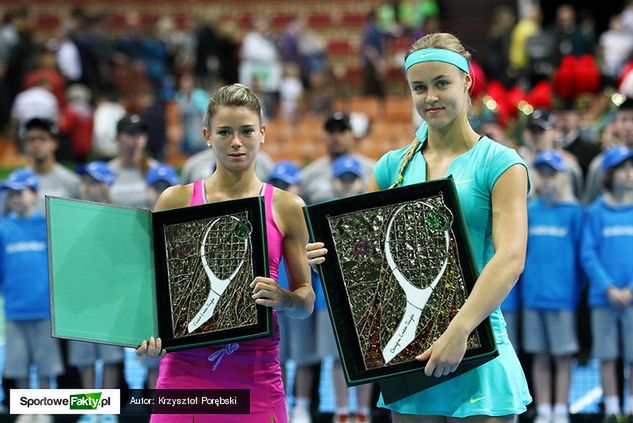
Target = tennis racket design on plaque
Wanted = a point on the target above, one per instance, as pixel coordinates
(401, 270)
(209, 272)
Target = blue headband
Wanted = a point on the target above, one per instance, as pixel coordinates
(436, 55)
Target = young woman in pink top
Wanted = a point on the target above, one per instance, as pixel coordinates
(233, 127)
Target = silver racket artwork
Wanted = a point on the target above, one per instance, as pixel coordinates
(228, 236)
(435, 224)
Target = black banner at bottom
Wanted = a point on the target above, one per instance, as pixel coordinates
(187, 401)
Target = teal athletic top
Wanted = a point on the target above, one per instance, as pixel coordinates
(497, 388)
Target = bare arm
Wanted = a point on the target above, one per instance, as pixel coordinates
(509, 233)
(297, 301)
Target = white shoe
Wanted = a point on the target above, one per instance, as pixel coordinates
(542, 419)
(300, 415)
(562, 418)
(25, 418)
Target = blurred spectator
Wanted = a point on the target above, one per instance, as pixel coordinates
(340, 141)
(290, 93)
(568, 119)
(35, 102)
(616, 46)
(8, 34)
(131, 164)
(623, 132)
(94, 51)
(570, 38)
(499, 40)
(551, 288)
(528, 25)
(155, 57)
(228, 48)
(373, 58)
(41, 141)
(107, 113)
(289, 43)
(540, 135)
(22, 51)
(67, 55)
(260, 67)
(313, 52)
(192, 104)
(607, 235)
(413, 14)
(76, 121)
(207, 51)
(152, 111)
(24, 282)
(46, 68)
(320, 95)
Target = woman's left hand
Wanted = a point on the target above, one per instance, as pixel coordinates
(267, 292)
(445, 354)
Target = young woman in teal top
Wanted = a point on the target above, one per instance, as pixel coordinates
(492, 184)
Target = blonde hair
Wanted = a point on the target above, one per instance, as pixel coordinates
(441, 40)
(235, 95)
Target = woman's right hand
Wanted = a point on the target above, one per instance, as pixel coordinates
(151, 348)
(316, 252)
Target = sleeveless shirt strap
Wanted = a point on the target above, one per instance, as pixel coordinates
(268, 196)
(198, 192)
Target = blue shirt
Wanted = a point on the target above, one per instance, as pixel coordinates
(552, 279)
(607, 244)
(24, 267)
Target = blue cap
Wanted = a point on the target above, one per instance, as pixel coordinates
(162, 172)
(550, 158)
(615, 156)
(346, 164)
(22, 179)
(98, 170)
(287, 172)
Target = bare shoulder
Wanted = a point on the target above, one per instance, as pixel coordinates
(285, 201)
(174, 197)
(288, 209)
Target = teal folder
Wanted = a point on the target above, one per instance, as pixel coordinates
(101, 271)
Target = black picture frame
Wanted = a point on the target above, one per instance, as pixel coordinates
(258, 258)
(404, 378)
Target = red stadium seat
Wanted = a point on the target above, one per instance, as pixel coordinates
(320, 20)
(47, 22)
(281, 20)
(339, 48)
(353, 20)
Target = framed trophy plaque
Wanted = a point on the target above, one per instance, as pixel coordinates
(398, 269)
(120, 275)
